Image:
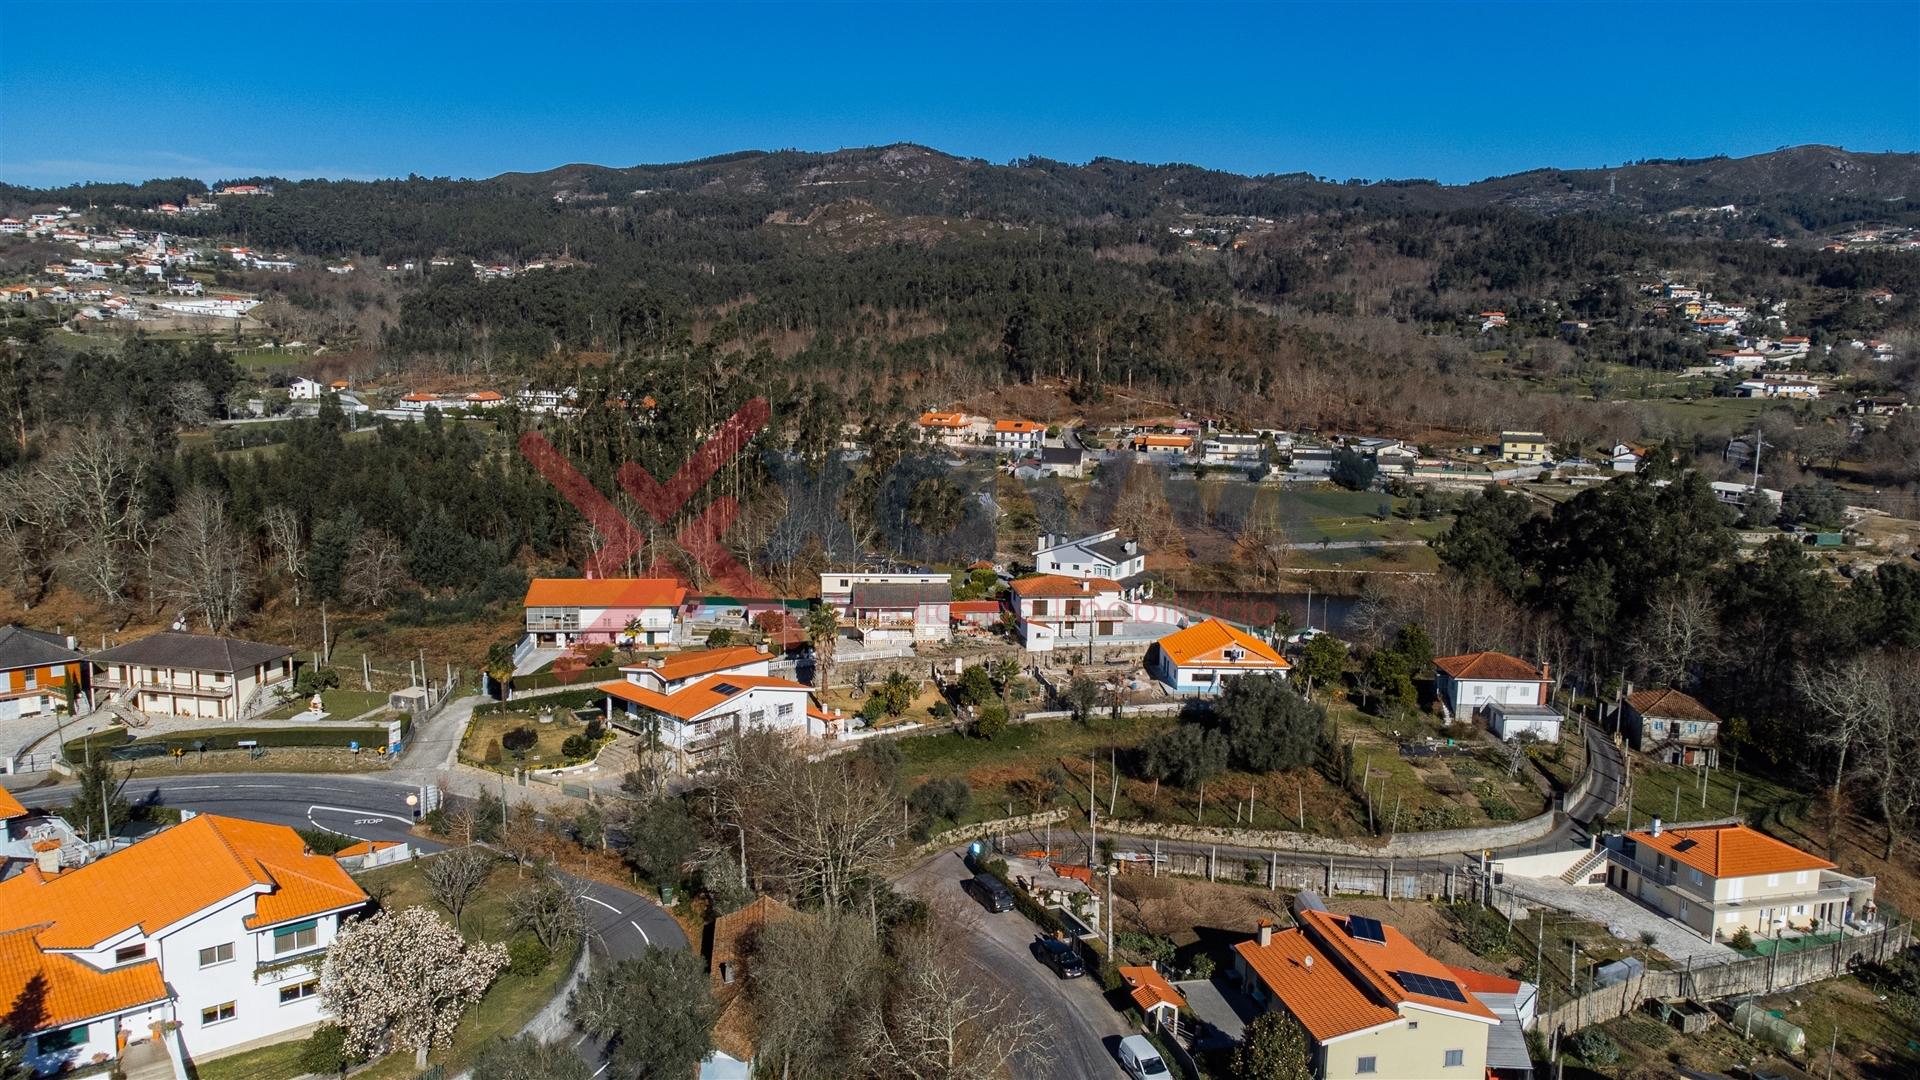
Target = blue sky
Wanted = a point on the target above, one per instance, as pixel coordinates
(1454, 92)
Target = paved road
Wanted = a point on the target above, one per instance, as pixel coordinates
(1085, 1027)
(622, 923)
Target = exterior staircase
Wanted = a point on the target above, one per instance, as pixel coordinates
(1589, 864)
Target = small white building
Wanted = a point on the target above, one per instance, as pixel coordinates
(305, 389)
(1472, 681)
(1239, 451)
(1510, 721)
(210, 925)
(1016, 436)
(1198, 659)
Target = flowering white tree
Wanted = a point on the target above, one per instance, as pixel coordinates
(403, 979)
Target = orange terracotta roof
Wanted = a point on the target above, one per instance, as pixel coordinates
(1479, 982)
(9, 806)
(485, 395)
(689, 702)
(1022, 427)
(1376, 963)
(365, 847)
(704, 661)
(1726, 851)
(420, 397)
(74, 989)
(973, 607)
(1150, 988)
(605, 592)
(1312, 986)
(1498, 667)
(174, 874)
(1181, 442)
(943, 419)
(1671, 704)
(1206, 642)
(1052, 585)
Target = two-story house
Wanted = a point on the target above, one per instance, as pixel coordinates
(697, 716)
(947, 428)
(1196, 660)
(1101, 555)
(889, 606)
(1236, 451)
(1525, 447)
(1052, 610)
(1018, 436)
(563, 612)
(217, 924)
(1467, 683)
(1373, 1004)
(1672, 726)
(202, 676)
(1721, 879)
(35, 671)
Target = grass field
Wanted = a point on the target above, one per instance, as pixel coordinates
(265, 359)
(1711, 416)
(339, 704)
(506, 1008)
(485, 731)
(1673, 793)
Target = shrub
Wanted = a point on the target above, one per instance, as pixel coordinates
(872, 710)
(526, 956)
(576, 746)
(940, 710)
(325, 1051)
(719, 638)
(1596, 1047)
(1743, 940)
(322, 842)
(941, 798)
(991, 722)
(595, 730)
(492, 754)
(519, 740)
(1444, 816)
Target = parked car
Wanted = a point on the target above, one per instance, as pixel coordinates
(1061, 956)
(990, 892)
(1140, 1059)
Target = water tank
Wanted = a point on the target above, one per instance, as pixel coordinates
(1764, 1027)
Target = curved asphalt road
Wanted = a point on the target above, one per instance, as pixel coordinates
(621, 924)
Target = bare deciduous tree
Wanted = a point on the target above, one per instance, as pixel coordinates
(286, 547)
(1679, 637)
(101, 472)
(805, 977)
(943, 1018)
(376, 569)
(455, 876)
(549, 909)
(201, 565)
(1849, 696)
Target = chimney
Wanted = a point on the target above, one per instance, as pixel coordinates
(1656, 827)
(655, 661)
(762, 647)
(1265, 933)
(1132, 547)
(46, 853)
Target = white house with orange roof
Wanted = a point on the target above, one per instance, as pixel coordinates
(949, 428)
(1719, 879)
(484, 399)
(1015, 436)
(1374, 1005)
(210, 924)
(694, 705)
(1470, 682)
(561, 612)
(1198, 659)
(421, 403)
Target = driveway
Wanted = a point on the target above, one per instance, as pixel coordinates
(1624, 917)
(1085, 1027)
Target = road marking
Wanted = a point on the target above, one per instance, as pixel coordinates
(602, 903)
(374, 815)
(637, 927)
(643, 933)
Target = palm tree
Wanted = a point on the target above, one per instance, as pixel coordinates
(823, 630)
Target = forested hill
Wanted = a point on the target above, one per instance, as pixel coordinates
(1812, 187)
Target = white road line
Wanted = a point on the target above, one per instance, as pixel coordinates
(643, 933)
(636, 926)
(186, 787)
(602, 903)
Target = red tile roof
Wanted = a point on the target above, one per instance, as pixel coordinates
(1670, 704)
(1206, 643)
(1150, 988)
(973, 607)
(706, 661)
(1019, 427)
(9, 806)
(689, 702)
(1051, 585)
(943, 419)
(74, 990)
(1493, 666)
(1727, 851)
(605, 592)
(174, 874)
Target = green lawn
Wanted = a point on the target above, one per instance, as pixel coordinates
(508, 1005)
(1023, 751)
(339, 704)
(1673, 793)
(261, 359)
(1711, 415)
(485, 731)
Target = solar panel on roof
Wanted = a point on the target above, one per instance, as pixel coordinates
(1428, 986)
(1361, 928)
(1685, 844)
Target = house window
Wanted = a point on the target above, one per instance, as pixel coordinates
(784, 710)
(1800, 878)
(1455, 1059)
(217, 1014)
(64, 1039)
(1773, 880)
(1366, 1065)
(129, 954)
(32, 680)
(1039, 607)
(299, 991)
(296, 937)
(216, 954)
(1413, 1025)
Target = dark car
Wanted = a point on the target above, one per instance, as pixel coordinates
(1062, 957)
(991, 893)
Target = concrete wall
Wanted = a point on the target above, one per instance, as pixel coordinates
(1756, 975)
